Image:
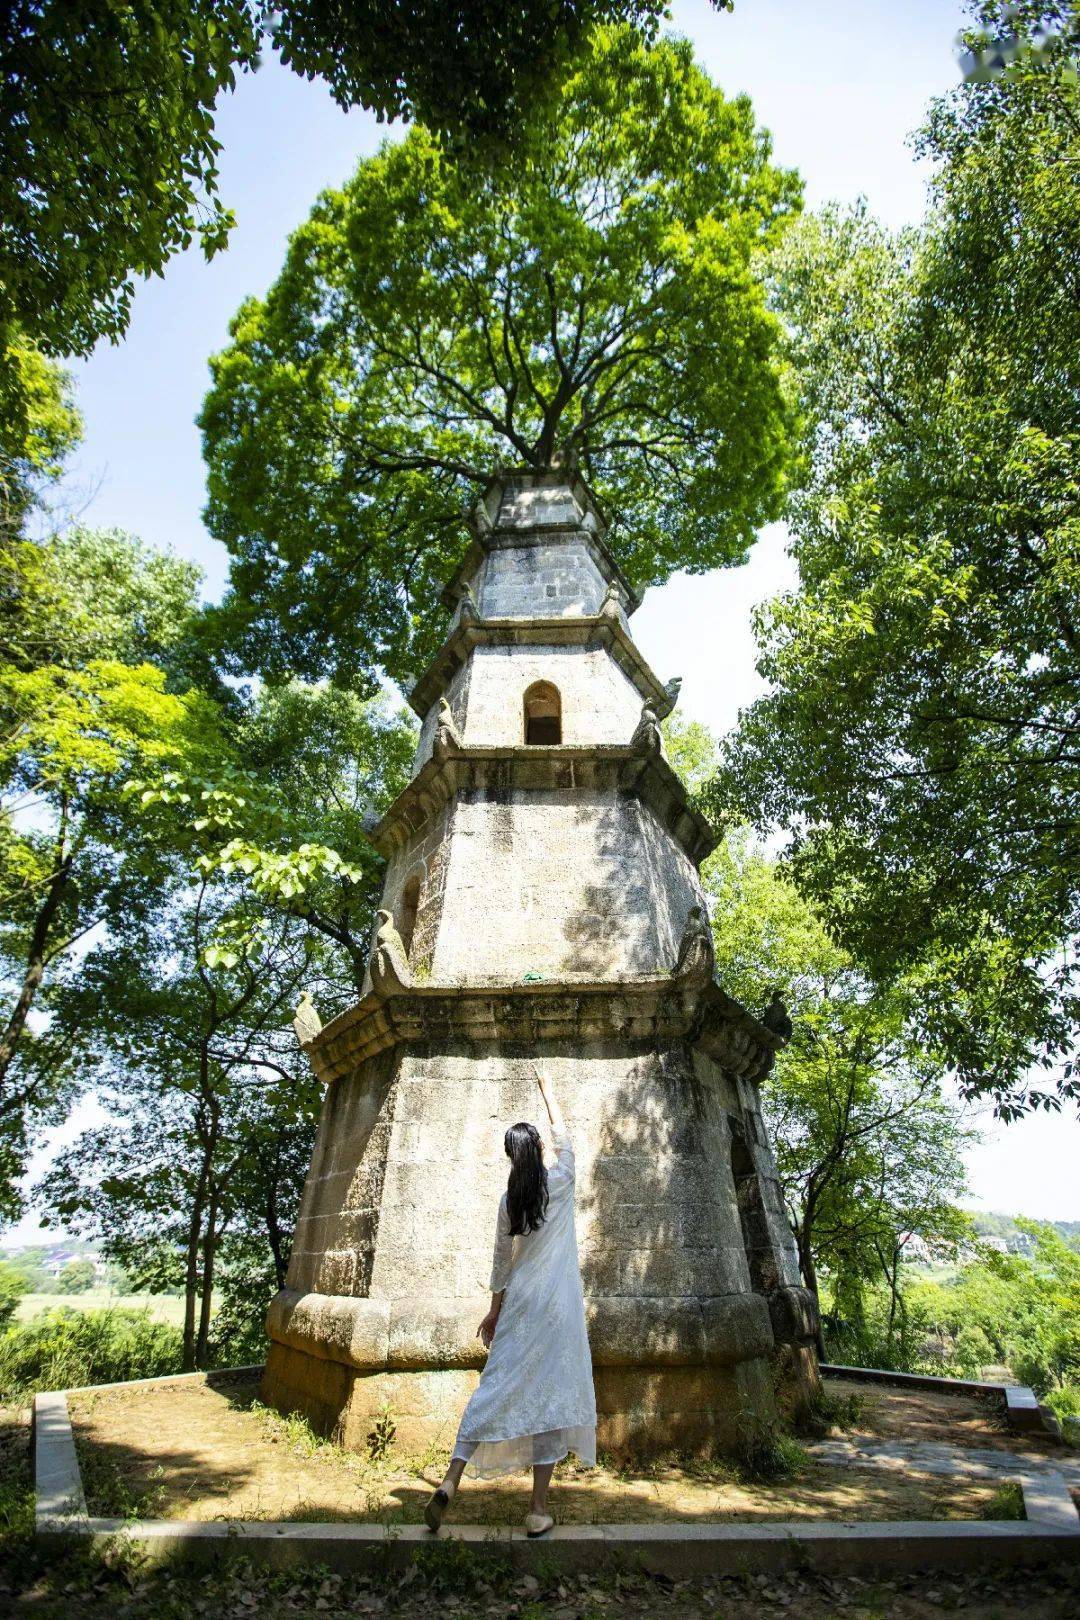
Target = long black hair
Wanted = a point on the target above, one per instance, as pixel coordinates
(527, 1188)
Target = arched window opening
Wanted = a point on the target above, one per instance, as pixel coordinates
(543, 714)
(410, 904)
(764, 1274)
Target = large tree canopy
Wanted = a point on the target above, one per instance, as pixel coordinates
(920, 737)
(595, 300)
(108, 157)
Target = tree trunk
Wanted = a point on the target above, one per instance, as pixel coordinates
(274, 1233)
(191, 1275)
(35, 964)
(206, 1304)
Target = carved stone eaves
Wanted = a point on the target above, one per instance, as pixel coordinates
(661, 1008)
(597, 766)
(600, 630)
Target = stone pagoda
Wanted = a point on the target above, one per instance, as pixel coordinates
(542, 909)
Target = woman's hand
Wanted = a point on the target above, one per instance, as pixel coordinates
(486, 1331)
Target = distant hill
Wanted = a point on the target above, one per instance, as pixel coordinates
(993, 1225)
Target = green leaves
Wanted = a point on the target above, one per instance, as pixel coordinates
(596, 299)
(919, 738)
(108, 153)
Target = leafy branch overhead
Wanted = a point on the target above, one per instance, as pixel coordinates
(595, 300)
(108, 151)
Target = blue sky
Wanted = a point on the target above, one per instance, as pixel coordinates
(840, 86)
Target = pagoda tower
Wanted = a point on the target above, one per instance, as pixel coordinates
(542, 908)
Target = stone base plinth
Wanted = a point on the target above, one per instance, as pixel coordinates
(687, 1264)
(643, 1411)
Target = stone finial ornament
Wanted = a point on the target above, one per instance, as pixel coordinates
(672, 689)
(307, 1022)
(389, 963)
(776, 1017)
(470, 608)
(369, 819)
(646, 738)
(612, 605)
(481, 518)
(695, 959)
(447, 738)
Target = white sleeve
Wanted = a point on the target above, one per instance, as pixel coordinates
(564, 1149)
(504, 1250)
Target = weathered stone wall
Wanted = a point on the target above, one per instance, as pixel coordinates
(334, 1244)
(559, 883)
(657, 1205)
(558, 578)
(600, 704)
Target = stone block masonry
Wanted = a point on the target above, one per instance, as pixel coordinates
(543, 889)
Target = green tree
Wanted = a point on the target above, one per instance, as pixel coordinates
(13, 1285)
(108, 162)
(327, 764)
(1026, 1310)
(472, 69)
(868, 1152)
(75, 852)
(39, 425)
(596, 301)
(189, 1004)
(919, 737)
(211, 1102)
(108, 157)
(77, 1277)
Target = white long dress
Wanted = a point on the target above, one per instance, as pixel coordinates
(535, 1399)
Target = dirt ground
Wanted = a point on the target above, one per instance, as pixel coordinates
(443, 1586)
(197, 1450)
(958, 1420)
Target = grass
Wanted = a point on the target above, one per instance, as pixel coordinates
(159, 1307)
(833, 1411)
(1007, 1502)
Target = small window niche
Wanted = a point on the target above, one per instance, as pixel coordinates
(408, 907)
(543, 715)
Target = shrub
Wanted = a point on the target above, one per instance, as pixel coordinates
(62, 1349)
(13, 1285)
(1065, 1405)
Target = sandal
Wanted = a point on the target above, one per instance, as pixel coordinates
(438, 1503)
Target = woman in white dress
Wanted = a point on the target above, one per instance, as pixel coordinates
(535, 1399)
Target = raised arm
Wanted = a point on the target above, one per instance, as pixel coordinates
(551, 1103)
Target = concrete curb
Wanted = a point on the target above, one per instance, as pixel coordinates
(1051, 1532)
(1022, 1410)
(662, 1548)
(58, 1492)
(220, 1374)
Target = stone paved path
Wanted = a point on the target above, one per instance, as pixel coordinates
(934, 1457)
(1046, 1483)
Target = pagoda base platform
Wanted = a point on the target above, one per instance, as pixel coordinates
(641, 1411)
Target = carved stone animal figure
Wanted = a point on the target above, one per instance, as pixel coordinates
(695, 958)
(307, 1022)
(775, 1017)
